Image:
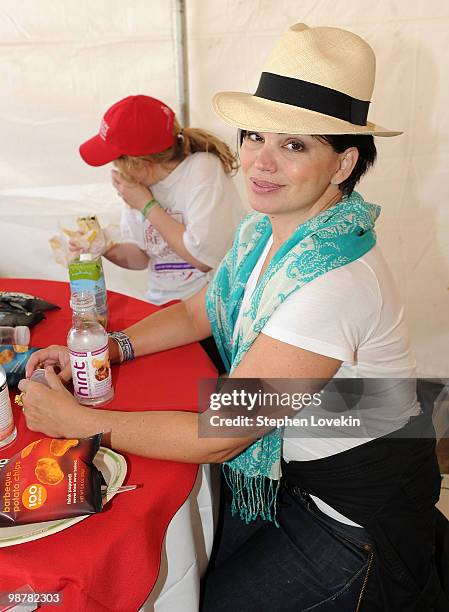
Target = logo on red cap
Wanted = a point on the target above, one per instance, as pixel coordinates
(104, 127)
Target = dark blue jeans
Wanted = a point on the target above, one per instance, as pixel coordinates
(311, 562)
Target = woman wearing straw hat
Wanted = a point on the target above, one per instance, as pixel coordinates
(303, 294)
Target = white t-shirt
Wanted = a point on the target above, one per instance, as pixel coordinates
(353, 313)
(199, 194)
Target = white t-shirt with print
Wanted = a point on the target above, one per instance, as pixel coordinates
(199, 194)
(354, 314)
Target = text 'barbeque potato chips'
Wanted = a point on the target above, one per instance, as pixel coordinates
(50, 479)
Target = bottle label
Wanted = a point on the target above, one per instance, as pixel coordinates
(6, 418)
(91, 372)
(88, 276)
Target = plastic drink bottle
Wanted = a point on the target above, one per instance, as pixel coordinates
(86, 275)
(8, 431)
(15, 335)
(39, 376)
(87, 341)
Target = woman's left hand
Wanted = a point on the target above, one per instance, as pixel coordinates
(53, 411)
(135, 195)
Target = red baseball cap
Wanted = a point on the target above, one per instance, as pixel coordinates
(136, 125)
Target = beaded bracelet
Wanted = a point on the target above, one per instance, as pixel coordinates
(124, 344)
(148, 206)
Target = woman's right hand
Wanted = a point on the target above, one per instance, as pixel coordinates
(54, 355)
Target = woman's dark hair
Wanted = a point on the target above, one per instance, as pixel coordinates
(364, 143)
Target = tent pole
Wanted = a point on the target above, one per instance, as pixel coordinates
(181, 61)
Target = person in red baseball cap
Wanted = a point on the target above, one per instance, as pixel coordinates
(181, 206)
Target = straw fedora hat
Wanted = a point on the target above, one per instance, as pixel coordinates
(316, 81)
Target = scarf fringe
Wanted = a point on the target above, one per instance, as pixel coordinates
(253, 496)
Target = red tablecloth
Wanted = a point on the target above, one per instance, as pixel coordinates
(110, 561)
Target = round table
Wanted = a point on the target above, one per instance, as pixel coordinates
(111, 560)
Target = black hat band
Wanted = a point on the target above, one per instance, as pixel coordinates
(312, 97)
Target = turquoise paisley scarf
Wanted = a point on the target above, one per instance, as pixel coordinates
(332, 239)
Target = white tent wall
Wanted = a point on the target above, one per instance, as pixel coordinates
(62, 63)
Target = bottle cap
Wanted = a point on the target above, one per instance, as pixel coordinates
(39, 376)
(82, 300)
(22, 335)
(86, 257)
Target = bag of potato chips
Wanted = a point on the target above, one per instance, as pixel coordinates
(50, 479)
(14, 359)
(22, 308)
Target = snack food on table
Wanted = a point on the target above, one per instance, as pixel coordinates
(22, 309)
(26, 302)
(6, 356)
(50, 479)
(14, 363)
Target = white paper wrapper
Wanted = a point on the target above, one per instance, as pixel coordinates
(90, 237)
